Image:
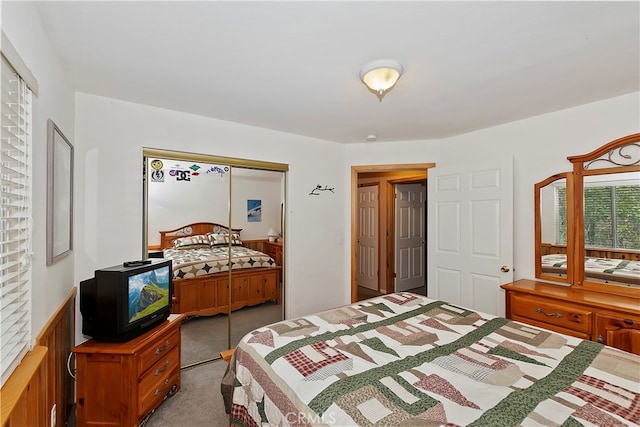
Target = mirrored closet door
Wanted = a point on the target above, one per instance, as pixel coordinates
(215, 217)
(257, 205)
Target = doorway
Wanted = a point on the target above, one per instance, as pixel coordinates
(410, 237)
(387, 176)
(369, 238)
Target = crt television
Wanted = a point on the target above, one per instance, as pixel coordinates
(124, 301)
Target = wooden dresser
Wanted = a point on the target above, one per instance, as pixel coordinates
(118, 384)
(609, 319)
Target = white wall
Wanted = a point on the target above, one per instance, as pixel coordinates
(55, 100)
(204, 197)
(109, 191)
(266, 186)
(539, 146)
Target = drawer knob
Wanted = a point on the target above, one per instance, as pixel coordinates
(539, 310)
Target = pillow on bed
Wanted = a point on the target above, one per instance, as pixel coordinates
(192, 242)
(220, 239)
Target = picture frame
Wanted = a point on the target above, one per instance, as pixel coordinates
(254, 210)
(59, 194)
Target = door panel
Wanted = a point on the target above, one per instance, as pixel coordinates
(368, 205)
(448, 217)
(453, 279)
(410, 236)
(179, 192)
(180, 188)
(471, 234)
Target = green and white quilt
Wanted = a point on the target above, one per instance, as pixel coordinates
(407, 360)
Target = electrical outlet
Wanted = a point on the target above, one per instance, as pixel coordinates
(53, 415)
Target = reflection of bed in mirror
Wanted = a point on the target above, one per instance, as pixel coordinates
(608, 270)
(201, 254)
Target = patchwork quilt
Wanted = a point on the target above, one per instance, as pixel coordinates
(618, 270)
(407, 360)
(189, 263)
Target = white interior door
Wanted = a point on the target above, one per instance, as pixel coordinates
(471, 234)
(410, 236)
(368, 236)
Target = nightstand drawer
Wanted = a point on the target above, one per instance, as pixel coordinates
(153, 396)
(159, 372)
(158, 351)
(274, 250)
(551, 313)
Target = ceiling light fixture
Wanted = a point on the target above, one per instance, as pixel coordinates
(381, 76)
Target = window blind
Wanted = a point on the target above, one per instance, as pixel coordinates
(15, 220)
(612, 218)
(560, 210)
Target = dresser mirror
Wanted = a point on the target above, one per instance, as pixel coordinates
(588, 220)
(554, 239)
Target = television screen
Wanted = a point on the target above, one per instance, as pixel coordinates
(148, 292)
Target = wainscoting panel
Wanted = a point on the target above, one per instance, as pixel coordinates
(24, 392)
(58, 336)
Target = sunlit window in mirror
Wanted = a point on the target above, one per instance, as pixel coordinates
(612, 228)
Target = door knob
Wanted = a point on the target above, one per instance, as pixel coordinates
(505, 269)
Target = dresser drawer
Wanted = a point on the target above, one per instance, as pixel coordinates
(159, 372)
(158, 351)
(551, 313)
(155, 395)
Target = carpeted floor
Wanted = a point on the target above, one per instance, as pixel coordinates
(205, 337)
(199, 402)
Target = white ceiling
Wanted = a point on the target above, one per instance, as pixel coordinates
(293, 66)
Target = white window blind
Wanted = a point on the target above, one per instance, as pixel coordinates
(15, 220)
(611, 216)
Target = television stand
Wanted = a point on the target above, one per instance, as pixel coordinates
(118, 384)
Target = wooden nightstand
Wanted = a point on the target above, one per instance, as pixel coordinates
(118, 384)
(274, 250)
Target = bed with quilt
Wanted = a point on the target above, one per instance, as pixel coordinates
(407, 360)
(604, 269)
(202, 255)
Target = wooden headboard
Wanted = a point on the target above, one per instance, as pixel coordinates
(168, 236)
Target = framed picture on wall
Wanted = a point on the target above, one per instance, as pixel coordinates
(254, 210)
(59, 194)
